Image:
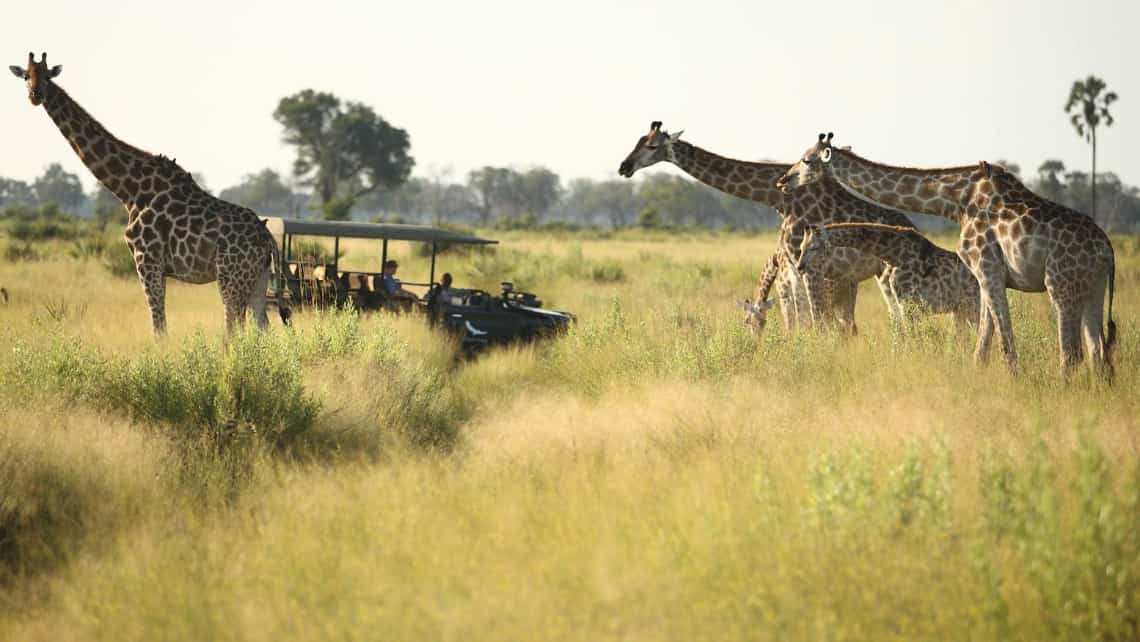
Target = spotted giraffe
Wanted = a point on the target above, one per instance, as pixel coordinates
(826, 203)
(175, 228)
(1011, 238)
(927, 278)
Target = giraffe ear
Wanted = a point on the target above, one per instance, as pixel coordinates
(676, 137)
(16, 71)
(825, 155)
(55, 71)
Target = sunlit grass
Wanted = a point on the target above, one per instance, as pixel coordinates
(657, 473)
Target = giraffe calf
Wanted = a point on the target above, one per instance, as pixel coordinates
(923, 276)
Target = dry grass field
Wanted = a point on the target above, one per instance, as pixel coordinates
(656, 474)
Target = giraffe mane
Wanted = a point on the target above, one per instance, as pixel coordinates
(909, 170)
(129, 146)
(870, 226)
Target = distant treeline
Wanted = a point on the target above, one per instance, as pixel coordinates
(512, 198)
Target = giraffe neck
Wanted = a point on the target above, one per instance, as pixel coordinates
(118, 166)
(894, 245)
(767, 279)
(747, 180)
(938, 192)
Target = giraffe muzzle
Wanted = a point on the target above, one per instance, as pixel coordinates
(626, 169)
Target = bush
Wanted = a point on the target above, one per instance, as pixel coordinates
(89, 247)
(607, 273)
(14, 253)
(119, 260)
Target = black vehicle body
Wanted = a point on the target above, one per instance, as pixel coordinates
(482, 319)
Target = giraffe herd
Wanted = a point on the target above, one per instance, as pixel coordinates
(842, 222)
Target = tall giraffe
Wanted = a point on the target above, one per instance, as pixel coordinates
(174, 228)
(1010, 237)
(928, 279)
(825, 203)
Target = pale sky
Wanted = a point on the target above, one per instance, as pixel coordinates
(571, 85)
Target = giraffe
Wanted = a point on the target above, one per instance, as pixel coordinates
(175, 228)
(1010, 238)
(756, 311)
(826, 203)
(927, 277)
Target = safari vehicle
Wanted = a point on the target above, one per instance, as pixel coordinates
(479, 317)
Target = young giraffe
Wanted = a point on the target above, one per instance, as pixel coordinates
(756, 311)
(928, 278)
(175, 228)
(826, 203)
(1010, 237)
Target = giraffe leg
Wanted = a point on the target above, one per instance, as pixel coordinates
(883, 280)
(997, 306)
(154, 285)
(1069, 334)
(257, 301)
(1092, 324)
(844, 306)
(785, 291)
(817, 298)
(899, 293)
(235, 297)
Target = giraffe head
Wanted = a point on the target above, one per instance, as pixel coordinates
(651, 148)
(756, 314)
(814, 250)
(811, 167)
(37, 75)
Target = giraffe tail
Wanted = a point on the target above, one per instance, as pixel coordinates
(277, 272)
(1110, 335)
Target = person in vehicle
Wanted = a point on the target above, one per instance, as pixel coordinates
(392, 285)
(445, 292)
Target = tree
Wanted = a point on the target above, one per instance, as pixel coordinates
(1091, 111)
(14, 192)
(496, 191)
(613, 200)
(679, 201)
(60, 187)
(264, 193)
(1010, 166)
(536, 191)
(108, 208)
(339, 143)
(1048, 183)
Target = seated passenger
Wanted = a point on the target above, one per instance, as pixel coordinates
(392, 285)
(444, 293)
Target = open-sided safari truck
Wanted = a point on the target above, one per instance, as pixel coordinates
(479, 317)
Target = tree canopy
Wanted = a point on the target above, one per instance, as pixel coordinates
(344, 149)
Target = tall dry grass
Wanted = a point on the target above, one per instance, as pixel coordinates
(655, 474)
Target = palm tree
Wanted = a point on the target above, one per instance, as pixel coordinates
(1092, 107)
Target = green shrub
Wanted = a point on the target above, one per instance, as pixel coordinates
(88, 247)
(119, 260)
(21, 253)
(607, 273)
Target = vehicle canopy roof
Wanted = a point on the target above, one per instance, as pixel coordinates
(359, 230)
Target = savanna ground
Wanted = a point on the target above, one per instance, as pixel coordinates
(657, 474)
